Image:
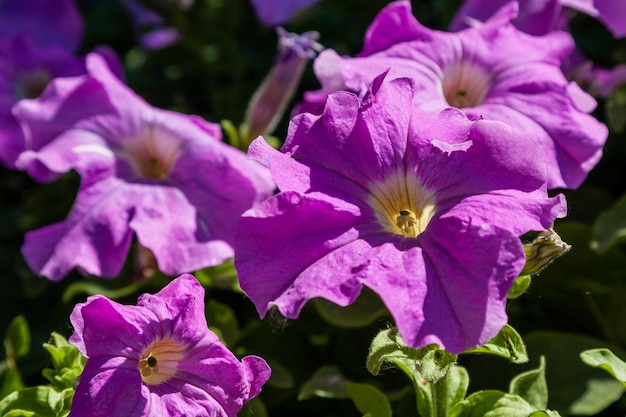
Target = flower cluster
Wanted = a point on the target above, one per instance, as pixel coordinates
(413, 171)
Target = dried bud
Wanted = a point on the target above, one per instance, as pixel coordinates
(544, 249)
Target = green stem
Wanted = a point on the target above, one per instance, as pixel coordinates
(439, 391)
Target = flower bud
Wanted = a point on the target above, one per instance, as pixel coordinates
(544, 249)
(269, 101)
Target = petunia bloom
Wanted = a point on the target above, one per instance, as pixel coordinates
(538, 17)
(158, 358)
(423, 209)
(161, 176)
(277, 12)
(25, 70)
(47, 22)
(493, 71)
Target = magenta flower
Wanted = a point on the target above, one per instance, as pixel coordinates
(160, 175)
(277, 12)
(25, 70)
(493, 72)
(158, 358)
(47, 22)
(423, 209)
(538, 17)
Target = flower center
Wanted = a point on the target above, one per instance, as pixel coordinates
(153, 151)
(465, 84)
(160, 361)
(32, 83)
(403, 206)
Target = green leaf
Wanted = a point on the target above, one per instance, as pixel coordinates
(531, 386)
(519, 287)
(492, 403)
(431, 361)
(605, 359)
(67, 362)
(364, 311)
(281, 376)
(222, 317)
(546, 413)
(223, 277)
(616, 109)
(576, 388)
(326, 382)
(17, 339)
(254, 408)
(610, 226)
(368, 399)
(81, 288)
(41, 401)
(506, 344)
(458, 382)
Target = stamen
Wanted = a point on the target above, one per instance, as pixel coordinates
(152, 152)
(160, 361)
(465, 84)
(403, 206)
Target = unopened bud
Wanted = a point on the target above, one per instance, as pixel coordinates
(268, 103)
(544, 249)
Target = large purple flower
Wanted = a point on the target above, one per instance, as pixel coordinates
(47, 22)
(493, 72)
(25, 70)
(423, 209)
(158, 358)
(539, 17)
(160, 175)
(276, 12)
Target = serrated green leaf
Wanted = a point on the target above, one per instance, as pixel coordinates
(326, 382)
(492, 403)
(531, 386)
(605, 359)
(368, 399)
(506, 344)
(17, 338)
(610, 226)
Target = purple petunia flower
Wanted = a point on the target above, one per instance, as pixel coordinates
(25, 70)
(158, 358)
(493, 72)
(538, 17)
(162, 176)
(423, 209)
(277, 12)
(46, 22)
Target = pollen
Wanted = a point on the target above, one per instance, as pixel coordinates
(403, 206)
(160, 361)
(465, 83)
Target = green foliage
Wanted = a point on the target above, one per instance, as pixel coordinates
(52, 400)
(368, 400)
(605, 359)
(507, 344)
(532, 386)
(610, 227)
